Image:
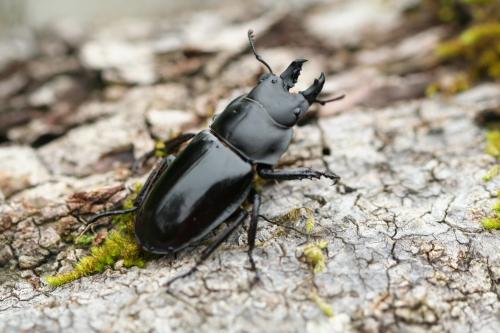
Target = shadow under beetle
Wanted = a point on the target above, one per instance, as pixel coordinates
(187, 197)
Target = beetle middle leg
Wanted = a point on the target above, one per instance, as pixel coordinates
(240, 217)
(295, 174)
(168, 147)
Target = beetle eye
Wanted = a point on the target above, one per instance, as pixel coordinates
(263, 77)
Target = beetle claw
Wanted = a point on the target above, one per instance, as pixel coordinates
(330, 175)
(255, 280)
(291, 74)
(313, 91)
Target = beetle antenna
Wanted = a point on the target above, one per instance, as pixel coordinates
(259, 58)
(323, 102)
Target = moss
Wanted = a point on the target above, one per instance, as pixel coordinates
(313, 254)
(119, 245)
(84, 240)
(493, 143)
(432, 89)
(160, 149)
(491, 223)
(258, 183)
(493, 148)
(492, 173)
(461, 12)
(322, 305)
(476, 45)
(296, 214)
(479, 48)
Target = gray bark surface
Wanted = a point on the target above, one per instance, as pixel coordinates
(406, 250)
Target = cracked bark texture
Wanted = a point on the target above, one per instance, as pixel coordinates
(406, 249)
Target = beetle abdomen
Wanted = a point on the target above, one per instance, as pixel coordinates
(201, 189)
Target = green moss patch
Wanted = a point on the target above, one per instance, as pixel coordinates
(492, 173)
(160, 149)
(120, 244)
(84, 240)
(475, 48)
(493, 149)
(493, 222)
(296, 214)
(493, 143)
(326, 308)
(314, 255)
(478, 47)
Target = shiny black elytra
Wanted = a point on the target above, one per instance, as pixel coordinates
(187, 197)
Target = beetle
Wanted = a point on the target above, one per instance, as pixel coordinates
(188, 196)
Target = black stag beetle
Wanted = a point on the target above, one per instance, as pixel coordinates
(187, 197)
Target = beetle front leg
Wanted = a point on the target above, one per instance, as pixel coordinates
(295, 174)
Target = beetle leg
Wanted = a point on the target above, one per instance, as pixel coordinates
(98, 216)
(269, 220)
(252, 232)
(168, 147)
(242, 214)
(295, 174)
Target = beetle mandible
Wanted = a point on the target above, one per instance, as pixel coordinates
(187, 197)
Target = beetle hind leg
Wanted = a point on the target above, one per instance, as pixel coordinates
(252, 232)
(98, 216)
(241, 215)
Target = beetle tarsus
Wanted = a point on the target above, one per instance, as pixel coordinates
(330, 175)
(98, 216)
(296, 174)
(91, 222)
(285, 226)
(181, 276)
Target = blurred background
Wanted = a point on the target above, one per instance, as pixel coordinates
(56, 56)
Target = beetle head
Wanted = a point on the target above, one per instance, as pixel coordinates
(285, 107)
(273, 93)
